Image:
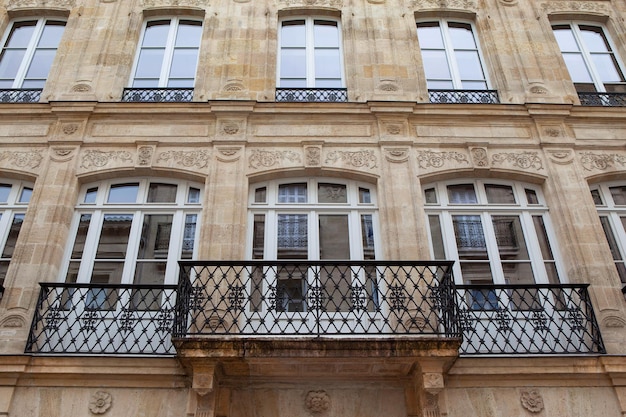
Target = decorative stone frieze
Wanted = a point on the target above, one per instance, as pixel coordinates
(317, 402)
(267, 159)
(531, 400)
(396, 155)
(479, 157)
(313, 156)
(22, 159)
(592, 161)
(187, 159)
(432, 159)
(100, 402)
(228, 153)
(18, 4)
(358, 159)
(523, 160)
(157, 3)
(99, 159)
(62, 153)
(445, 4)
(145, 154)
(561, 156)
(318, 3)
(574, 6)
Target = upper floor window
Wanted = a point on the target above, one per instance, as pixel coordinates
(28, 51)
(590, 59)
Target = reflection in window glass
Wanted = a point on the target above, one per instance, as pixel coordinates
(194, 195)
(162, 193)
(619, 195)
(292, 193)
(5, 190)
(123, 193)
(364, 196)
(462, 194)
(26, 195)
(499, 194)
(331, 193)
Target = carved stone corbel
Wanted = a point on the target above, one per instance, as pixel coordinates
(205, 378)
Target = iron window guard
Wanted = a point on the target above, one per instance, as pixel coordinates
(20, 95)
(463, 96)
(602, 99)
(311, 95)
(170, 95)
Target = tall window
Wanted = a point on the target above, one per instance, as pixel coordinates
(610, 200)
(589, 57)
(310, 54)
(133, 231)
(497, 232)
(451, 56)
(29, 49)
(168, 56)
(14, 198)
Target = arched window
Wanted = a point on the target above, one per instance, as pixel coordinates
(133, 231)
(497, 232)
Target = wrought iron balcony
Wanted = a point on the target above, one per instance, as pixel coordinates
(158, 95)
(311, 94)
(527, 319)
(103, 319)
(602, 99)
(20, 95)
(463, 96)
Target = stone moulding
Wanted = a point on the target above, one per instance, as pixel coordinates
(99, 159)
(62, 154)
(144, 155)
(266, 159)
(433, 159)
(523, 160)
(592, 161)
(358, 159)
(561, 156)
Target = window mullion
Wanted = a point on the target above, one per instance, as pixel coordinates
(175, 247)
(538, 263)
(450, 56)
(168, 54)
(85, 270)
(310, 52)
(132, 248)
(497, 272)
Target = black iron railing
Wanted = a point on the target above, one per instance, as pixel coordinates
(312, 94)
(20, 95)
(463, 96)
(603, 99)
(103, 319)
(322, 298)
(527, 319)
(158, 94)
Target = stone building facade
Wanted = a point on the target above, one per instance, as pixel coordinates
(136, 133)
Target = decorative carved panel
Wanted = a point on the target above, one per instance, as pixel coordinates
(432, 159)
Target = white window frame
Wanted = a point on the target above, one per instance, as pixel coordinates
(100, 208)
(445, 210)
(449, 50)
(586, 55)
(168, 55)
(20, 75)
(309, 23)
(9, 209)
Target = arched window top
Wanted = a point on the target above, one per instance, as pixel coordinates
(483, 192)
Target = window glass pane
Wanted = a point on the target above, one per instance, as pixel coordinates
(90, 195)
(331, 193)
(184, 63)
(123, 193)
(325, 34)
(26, 195)
(510, 238)
(181, 83)
(462, 194)
(531, 196)
(430, 196)
(334, 236)
(364, 196)
(162, 193)
(436, 237)
(470, 237)
(292, 193)
(260, 195)
(81, 236)
(473, 85)
(542, 236)
(565, 39)
(293, 83)
(156, 33)
(327, 63)
(469, 65)
(593, 39)
(478, 273)
(194, 195)
(436, 65)
(258, 237)
(189, 236)
(51, 35)
(155, 236)
(461, 36)
(293, 34)
(610, 237)
(327, 83)
(292, 236)
(293, 63)
(367, 233)
(5, 190)
(439, 85)
(10, 62)
(189, 33)
(577, 68)
(429, 36)
(619, 195)
(499, 194)
(20, 35)
(114, 236)
(149, 63)
(14, 231)
(607, 68)
(41, 63)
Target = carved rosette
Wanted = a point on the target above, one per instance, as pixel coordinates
(260, 159)
(432, 159)
(396, 155)
(358, 159)
(186, 159)
(99, 159)
(230, 127)
(62, 153)
(522, 160)
(561, 156)
(468, 5)
(317, 402)
(479, 157)
(145, 154)
(100, 402)
(228, 153)
(313, 156)
(531, 400)
(591, 161)
(22, 159)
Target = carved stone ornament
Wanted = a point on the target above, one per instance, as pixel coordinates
(317, 402)
(22, 159)
(523, 160)
(561, 156)
(446, 4)
(613, 321)
(326, 3)
(479, 157)
(81, 88)
(156, 3)
(358, 159)
(267, 159)
(531, 400)
(574, 6)
(388, 86)
(98, 159)
(234, 86)
(591, 161)
(431, 405)
(553, 132)
(144, 155)
(539, 90)
(228, 153)
(396, 155)
(16, 4)
(188, 159)
(62, 154)
(100, 402)
(428, 159)
(433, 382)
(13, 322)
(313, 156)
(508, 2)
(230, 127)
(393, 129)
(70, 128)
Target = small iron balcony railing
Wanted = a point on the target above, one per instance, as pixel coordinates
(170, 95)
(527, 319)
(103, 319)
(312, 95)
(324, 298)
(463, 96)
(603, 99)
(20, 95)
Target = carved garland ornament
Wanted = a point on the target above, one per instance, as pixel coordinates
(327, 3)
(445, 4)
(11, 4)
(188, 159)
(523, 160)
(427, 159)
(100, 402)
(358, 159)
(317, 402)
(531, 400)
(101, 158)
(267, 159)
(577, 6)
(156, 3)
(22, 159)
(591, 161)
